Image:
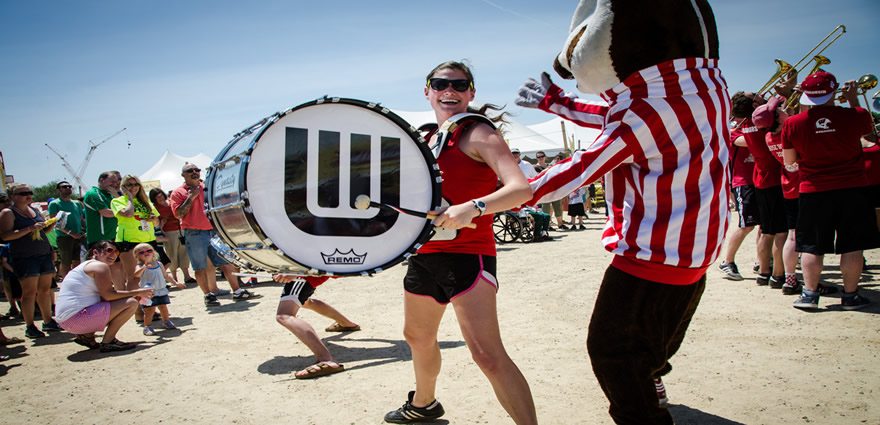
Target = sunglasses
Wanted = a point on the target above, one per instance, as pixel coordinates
(144, 251)
(66, 186)
(132, 184)
(441, 84)
(24, 193)
(193, 171)
(539, 156)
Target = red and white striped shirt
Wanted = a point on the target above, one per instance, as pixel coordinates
(664, 153)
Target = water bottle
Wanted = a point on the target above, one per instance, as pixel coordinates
(146, 302)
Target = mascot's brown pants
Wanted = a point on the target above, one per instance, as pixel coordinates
(637, 325)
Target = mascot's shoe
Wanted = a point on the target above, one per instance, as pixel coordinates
(411, 414)
(662, 399)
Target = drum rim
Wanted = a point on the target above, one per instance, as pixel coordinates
(262, 126)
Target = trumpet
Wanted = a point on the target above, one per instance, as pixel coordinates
(863, 84)
(783, 68)
(876, 98)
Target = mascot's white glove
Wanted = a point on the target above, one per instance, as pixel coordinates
(532, 92)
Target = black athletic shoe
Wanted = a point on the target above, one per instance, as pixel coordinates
(51, 327)
(211, 300)
(410, 414)
(776, 282)
(763, 279)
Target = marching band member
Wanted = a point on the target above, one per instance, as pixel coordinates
(461, 271)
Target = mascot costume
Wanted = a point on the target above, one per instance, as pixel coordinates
(663, 151)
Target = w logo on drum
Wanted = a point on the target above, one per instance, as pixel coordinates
(323, 178)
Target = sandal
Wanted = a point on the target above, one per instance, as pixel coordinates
(336, 327)
(87, 341)
(319, 369)
(116, 345)
(11, 340)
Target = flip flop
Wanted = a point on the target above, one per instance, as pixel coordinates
(319, 369)
(88, 342)
(336, 327)
(12, 340)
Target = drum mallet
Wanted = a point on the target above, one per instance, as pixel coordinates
(363, 202)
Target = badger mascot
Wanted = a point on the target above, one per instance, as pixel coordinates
(663, 152)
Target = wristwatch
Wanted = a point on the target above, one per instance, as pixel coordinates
(480, 206)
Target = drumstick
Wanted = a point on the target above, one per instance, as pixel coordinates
(363, 202)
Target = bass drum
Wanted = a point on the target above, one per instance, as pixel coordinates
(281, 193)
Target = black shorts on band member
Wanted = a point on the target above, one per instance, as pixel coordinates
(746, 206)
(299, 291)
(771, 210)
(443, 276)
(836, 221)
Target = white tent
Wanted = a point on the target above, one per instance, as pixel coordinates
(552, 129)
(167, 169)
(516, 134)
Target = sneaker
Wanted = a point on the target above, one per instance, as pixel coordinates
(763, 279)
(32, 332)
(854, 302)
(563, 227)
(211, 300)
(661, 393)
(169, 325)
(222, 292)
(189, 280)
(827, 289)
(776, 282)
(244, 294)
(51, 327)
(731, 271)
(807, 302)
(148, 331)
(789, 289)
(412, 414)
(582, 227)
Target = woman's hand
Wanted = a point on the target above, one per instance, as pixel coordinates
(143, 292)
(456, 216)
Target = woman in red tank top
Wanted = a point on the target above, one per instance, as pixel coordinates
(460, 269)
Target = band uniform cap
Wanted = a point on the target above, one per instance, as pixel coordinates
(764, 115)
(818, 88)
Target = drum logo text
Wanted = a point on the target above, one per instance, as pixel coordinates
(349, 257)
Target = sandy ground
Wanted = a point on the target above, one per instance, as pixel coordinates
(749, 357)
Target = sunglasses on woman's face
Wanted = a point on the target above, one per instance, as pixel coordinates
(441, 84)
(24, 193)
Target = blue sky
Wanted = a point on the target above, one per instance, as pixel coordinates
(187, 75)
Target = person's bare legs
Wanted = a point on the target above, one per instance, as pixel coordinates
(148, 315)
(778, 246)
(328, 311)
(851, 268)
(202, 280)
(734, 242)
(765, 248)
(422, 317)
(478, 319)
(28, 298)
(128, 263)
(120, 312)
(163, 313)
(44, 296)
(811, 266)
(285, 315)
(789, 253)
(229, 272)
(117, 273)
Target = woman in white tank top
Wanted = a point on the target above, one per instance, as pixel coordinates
(88, 302)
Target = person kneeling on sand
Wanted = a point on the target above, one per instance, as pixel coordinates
(297, 294)
(88, 302)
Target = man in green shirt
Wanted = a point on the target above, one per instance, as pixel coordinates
(100, 221)
(70, 237)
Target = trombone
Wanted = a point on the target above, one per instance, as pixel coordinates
(795, 97)
(783, 68)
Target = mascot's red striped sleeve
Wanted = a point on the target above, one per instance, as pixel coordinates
(664, 154)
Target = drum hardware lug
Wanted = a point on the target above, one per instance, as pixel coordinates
(225, 207)
(244, 195)
(234, 160)
(248, 209)
(439, 179)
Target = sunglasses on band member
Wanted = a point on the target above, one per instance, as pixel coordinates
(29, 193)
(441, 84)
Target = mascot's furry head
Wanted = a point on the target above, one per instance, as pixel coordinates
(609, 40)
